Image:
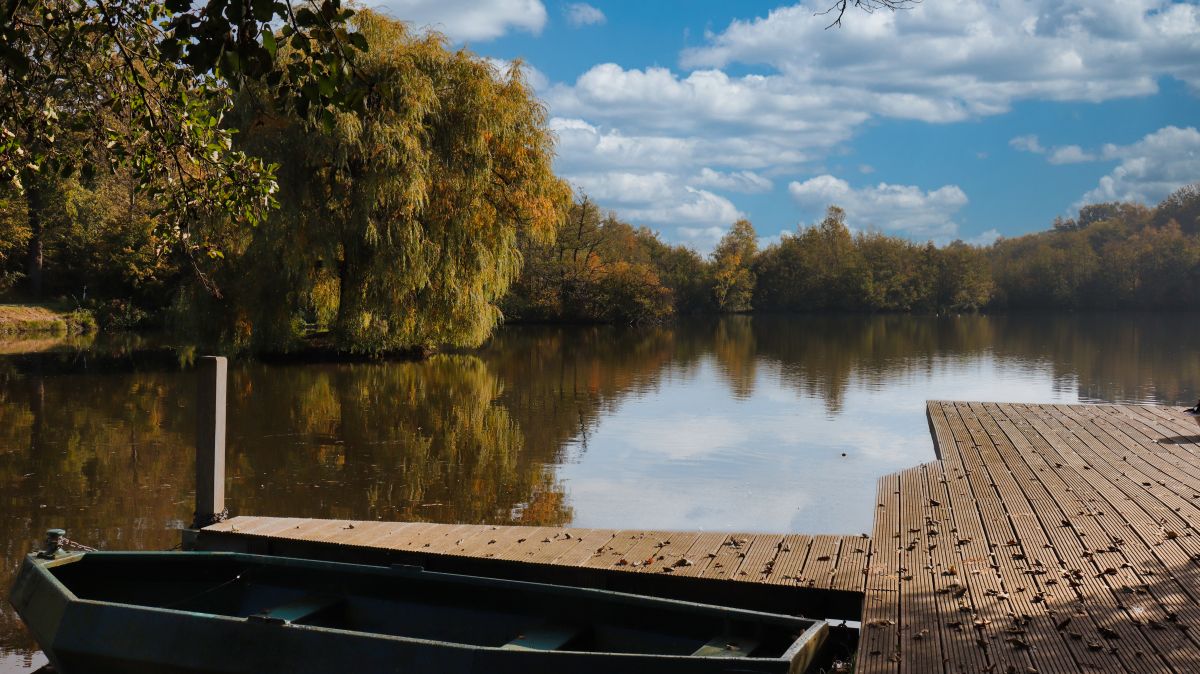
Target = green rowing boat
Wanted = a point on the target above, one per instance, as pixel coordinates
(130, 612)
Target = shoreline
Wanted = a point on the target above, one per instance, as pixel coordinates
(25, 321)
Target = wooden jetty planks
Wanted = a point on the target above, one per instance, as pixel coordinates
(592, 542)
(701, 552)
(760, 559)
(749, 557)
(1138, 573)
(1063, 551)
(878, 643)
(1072, 528)
(853, 557)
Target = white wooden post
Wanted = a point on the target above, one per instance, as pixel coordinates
(211, 375)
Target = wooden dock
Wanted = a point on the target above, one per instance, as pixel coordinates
(1045, 538)
(822, 576)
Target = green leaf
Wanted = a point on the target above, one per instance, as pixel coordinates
(264, 10)
(232, 61)
(171, 49)
(305, 18)
(268, 41)
(310, 91)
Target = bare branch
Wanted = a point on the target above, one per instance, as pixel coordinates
(838, 9)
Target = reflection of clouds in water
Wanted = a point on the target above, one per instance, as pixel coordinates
(685, 436)
(691, 457)
(907, 383)
(673, 504)
(878, 414)
(986, 378)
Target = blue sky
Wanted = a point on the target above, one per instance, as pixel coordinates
(965, 119)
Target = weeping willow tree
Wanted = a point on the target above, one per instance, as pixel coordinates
(399, 219)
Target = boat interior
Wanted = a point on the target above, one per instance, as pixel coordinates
(409, 602)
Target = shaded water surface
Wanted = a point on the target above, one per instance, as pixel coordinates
(763, 424)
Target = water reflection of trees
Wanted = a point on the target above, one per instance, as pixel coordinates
(414, 440)
(820, 356)
(1151, 357)
(91, 442)
(734, 350)
(562, 380)
(1104, 357)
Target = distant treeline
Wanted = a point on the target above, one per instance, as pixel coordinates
(1113, 255)
(598, 268)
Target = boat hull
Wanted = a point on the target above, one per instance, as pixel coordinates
(107, 616)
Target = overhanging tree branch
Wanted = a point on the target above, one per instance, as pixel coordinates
(838, 9)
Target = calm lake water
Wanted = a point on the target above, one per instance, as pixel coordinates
(763, 424)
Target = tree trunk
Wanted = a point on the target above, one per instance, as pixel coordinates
(350, 294)
(35, 202)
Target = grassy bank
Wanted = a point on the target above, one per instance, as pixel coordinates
(21, 320)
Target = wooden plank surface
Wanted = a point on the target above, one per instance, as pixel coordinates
(836, 563)
(1047, 538)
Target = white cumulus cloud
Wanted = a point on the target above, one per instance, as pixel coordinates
(662, 198)
(643, 178)
(1069, 154)
(897, 209)
(583, 14)
(1029, 143)
(974, 57)
(985, 238)
(1150, 169)
(734, 181)
(627, 188)
(657, 98)
(1059, 154)
(468, 19)
(689, 205)
(702, 239)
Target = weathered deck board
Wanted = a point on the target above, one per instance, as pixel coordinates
(839, 562)
(1065, 534)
